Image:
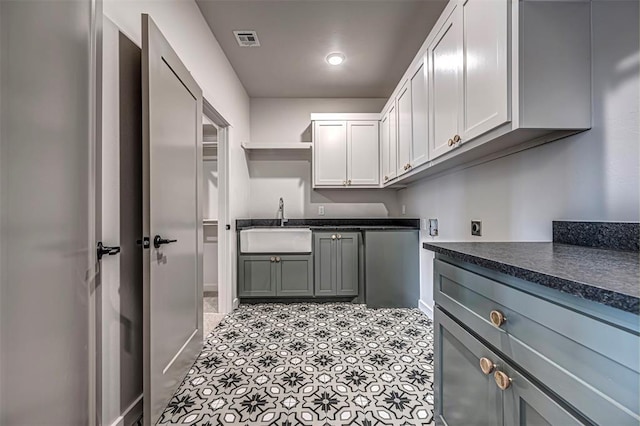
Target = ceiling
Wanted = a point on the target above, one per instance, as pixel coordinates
(378, 37)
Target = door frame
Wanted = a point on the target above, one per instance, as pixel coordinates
(225, 285)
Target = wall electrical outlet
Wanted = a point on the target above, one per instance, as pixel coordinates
(404, 209)
(433, 227)
(476, 228)
(321, 210)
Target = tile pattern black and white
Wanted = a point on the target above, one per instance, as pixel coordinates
(311, 364)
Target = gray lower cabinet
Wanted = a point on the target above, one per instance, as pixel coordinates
(275, 275)
(336, 263)
(581, 353)
(465, 394)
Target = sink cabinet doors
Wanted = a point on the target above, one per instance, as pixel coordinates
(275, 275)
(336, 263)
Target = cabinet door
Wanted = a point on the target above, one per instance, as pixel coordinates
(384, 147)
(256, 276)
(419, 142)
(393, 142)
(403, 102)
(325, 263)
(363, 153)
(330, 153)
(526, 405)
(347, 264)
(294, 275)
(463, 394)
(445, 84)
(485, 55)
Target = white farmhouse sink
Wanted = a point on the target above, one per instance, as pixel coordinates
(275, 240)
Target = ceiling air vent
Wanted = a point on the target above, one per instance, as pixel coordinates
(247, 38)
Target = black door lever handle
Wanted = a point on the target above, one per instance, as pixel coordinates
(158, 241)
(103, 250)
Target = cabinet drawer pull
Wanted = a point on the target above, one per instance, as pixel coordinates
(486, 365)
(273, 259)
(450, 142)
(502, 380)
(457, 138)
(497, 318)
(277, 259)
(333, 237)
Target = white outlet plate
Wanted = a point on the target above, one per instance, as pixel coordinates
(321, 210)
(433, 227)
(404, 209)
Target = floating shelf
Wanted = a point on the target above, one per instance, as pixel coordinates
(210, 222)
(251, 146)
(206, 144)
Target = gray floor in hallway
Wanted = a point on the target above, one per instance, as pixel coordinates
(211, 316)
(311, 364)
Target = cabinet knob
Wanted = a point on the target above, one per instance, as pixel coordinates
(457, 138)
(349, 182)
(497, 318)
(277, 259)
(386, 178)
(333, 237)
(273, 259)
(408, 166)
(344, 183)
(502, 380)
(339, 236)
(450, 142)
(486, 365)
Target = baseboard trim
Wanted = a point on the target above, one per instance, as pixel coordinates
(209, 287)
(131, 414)
(426, 309)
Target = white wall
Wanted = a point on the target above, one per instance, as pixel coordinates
(589, 176)
(287, 120)
(188, 33)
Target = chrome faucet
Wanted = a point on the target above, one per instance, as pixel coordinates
(281, 211)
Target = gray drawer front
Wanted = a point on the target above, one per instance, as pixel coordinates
(464, 395)
(595, 365)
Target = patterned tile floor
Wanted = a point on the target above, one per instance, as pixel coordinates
(311, 364)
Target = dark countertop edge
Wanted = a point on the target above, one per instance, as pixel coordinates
(372, 224)
(341, 228)
(578, 289)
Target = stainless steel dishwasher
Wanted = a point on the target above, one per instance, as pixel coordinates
(392, 268)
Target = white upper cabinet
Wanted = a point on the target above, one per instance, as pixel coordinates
(419, 142)
(444, 58)
(363, 153)
(384, 148)
(485, 62)
(330, 153)
(392, 154)
(346, 153)
(403, 104)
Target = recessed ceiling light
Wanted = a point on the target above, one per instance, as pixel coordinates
(335, 58)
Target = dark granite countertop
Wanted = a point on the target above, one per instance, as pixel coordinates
(610, 277)
(378, 224)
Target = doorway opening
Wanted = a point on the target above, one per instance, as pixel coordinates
(216, 289)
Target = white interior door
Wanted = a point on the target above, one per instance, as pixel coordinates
(172, 157)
